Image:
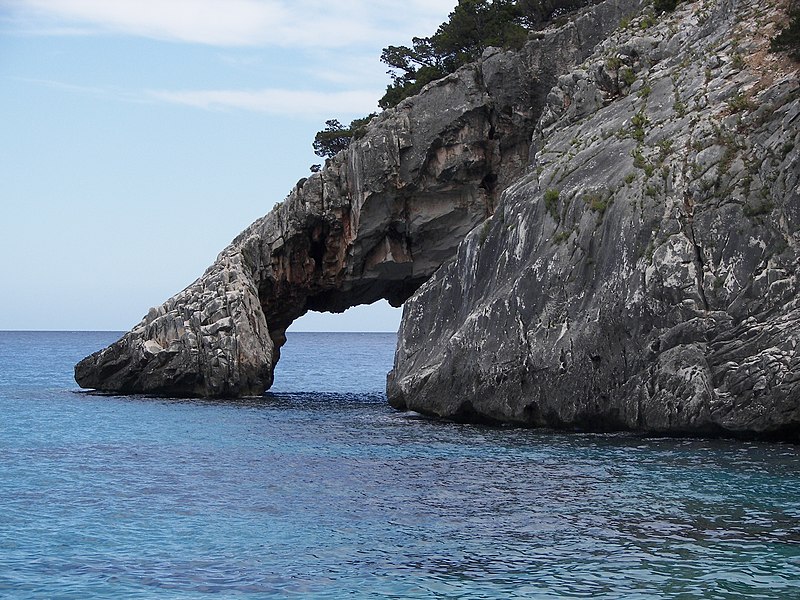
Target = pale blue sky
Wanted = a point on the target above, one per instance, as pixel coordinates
(140, 136)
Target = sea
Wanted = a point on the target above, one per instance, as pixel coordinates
(319, 489)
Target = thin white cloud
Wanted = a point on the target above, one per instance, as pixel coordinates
(276, 102)
(352, 28)
(291, 103)
(223, 23)
(298, 23)
(347, 70)
(100, 92)
(241, 62)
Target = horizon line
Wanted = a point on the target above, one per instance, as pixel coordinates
(123, 331)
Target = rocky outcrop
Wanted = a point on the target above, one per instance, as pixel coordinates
(643, 274)
(376, 223)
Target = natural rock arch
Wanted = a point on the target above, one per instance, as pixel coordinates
(375, 223)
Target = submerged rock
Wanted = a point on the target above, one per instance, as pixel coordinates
(643, 274)
(375, 223)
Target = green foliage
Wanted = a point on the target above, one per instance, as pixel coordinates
(551, 202)
(789, 38)
(727, 158)
(661, 6)
(336, 137)
(664, 148)
(762, 209)
(411, 69)
(640, 163)
(639, 120)
(473, 26)
(332, 139)
(647, 22)
(628, 76)
(739, 103)
(638, 159)
(358, 127)
(562, 236)
(537, 12)
(638, 123)
(597, 202)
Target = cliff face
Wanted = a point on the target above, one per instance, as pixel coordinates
(643, 273)
(375, 223)
(617, 209)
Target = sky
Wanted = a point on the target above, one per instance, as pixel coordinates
(139, 137)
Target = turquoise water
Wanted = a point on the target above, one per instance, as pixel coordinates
(320, 490)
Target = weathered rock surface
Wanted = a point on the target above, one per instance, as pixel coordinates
(376, 223)
(643, 274)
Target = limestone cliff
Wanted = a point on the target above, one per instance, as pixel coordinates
(377, 222)
(643, 273)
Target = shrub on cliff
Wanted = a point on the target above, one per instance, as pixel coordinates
(473, 26)
(789, 38)
(661, 6)
(336, 137)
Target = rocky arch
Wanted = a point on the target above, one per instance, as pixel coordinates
(375, 223)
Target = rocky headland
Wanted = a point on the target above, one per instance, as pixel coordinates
(598, 232)
(643, 274)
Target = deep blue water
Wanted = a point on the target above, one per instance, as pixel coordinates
(320, 490)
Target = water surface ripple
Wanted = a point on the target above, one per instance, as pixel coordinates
(330, 493)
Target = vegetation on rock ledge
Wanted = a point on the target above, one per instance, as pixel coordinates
(473, 26)
(336, 137)
(789, 38)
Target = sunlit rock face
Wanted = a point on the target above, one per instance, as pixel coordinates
(643, 274)
(375, 223)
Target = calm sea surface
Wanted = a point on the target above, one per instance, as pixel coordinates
(320, 490)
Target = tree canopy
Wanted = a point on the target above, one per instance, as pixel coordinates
(336, 137)
(473, 26)
(788, 39)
